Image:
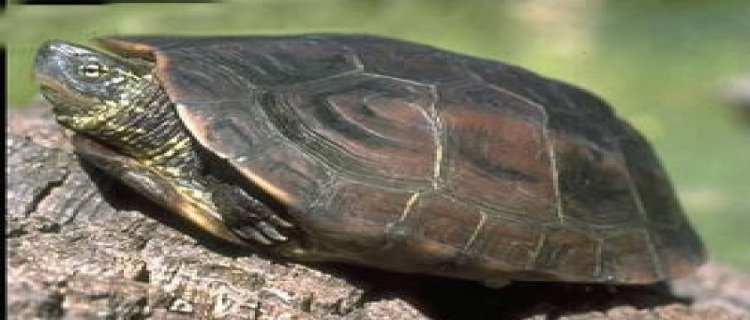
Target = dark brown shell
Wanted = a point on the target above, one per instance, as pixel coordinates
(410, 158)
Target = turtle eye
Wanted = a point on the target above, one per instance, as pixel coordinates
(92, 70)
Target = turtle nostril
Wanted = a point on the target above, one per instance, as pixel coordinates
(47, 49)
(44, 62)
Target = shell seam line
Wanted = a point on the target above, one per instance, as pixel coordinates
(660, 271)
(408, 207)
(632, 187)
(439, 134)
(531, 264)
(439, 140)
(477, 229)
(598, 252)
(404, 214)
(555, 172)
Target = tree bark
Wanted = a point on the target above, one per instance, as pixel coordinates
(81, 246)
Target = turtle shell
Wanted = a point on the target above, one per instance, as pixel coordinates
(410, 158)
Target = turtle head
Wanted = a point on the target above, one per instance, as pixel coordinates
(126, 126)
(85, 85)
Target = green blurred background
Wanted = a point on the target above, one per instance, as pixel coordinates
(662, 64)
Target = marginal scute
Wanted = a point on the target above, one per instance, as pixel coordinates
(211, 69)
(507, 244)
(238, 138)
(128, 48)
(679, 251)
(569, 255)
(289, 170)
(629, 258)
(449, 223)
(227, 128)
(357, 216)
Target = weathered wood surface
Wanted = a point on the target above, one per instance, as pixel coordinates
(82, 246)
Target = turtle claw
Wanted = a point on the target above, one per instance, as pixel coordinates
(252, 234)
(270, 231)
(280, 222)
(248, 217)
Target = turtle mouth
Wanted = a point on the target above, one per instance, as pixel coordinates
(48, 85)
(63, 101)
(52, 89)
(51, 92)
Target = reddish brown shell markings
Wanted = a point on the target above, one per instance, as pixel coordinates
(409, 158)
(511, 171)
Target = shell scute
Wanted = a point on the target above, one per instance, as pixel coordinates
(497, 159)
(229, 68)
(422, 64)
(679, 251)
(594, 186)
(569, 255)
(630, 257)
(357, 217)
(651, 182)
(450, 223)
(373, 127)
(507, 244)
(226, 127)
(568, 108)
(289, 170)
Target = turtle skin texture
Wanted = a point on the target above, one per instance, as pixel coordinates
(406, 157)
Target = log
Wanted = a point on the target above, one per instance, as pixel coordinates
(82, 246)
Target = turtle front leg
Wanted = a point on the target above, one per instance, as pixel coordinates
(246, 216)
(220, 208)
(185, 198)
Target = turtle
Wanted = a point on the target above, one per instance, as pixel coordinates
(375, 151)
